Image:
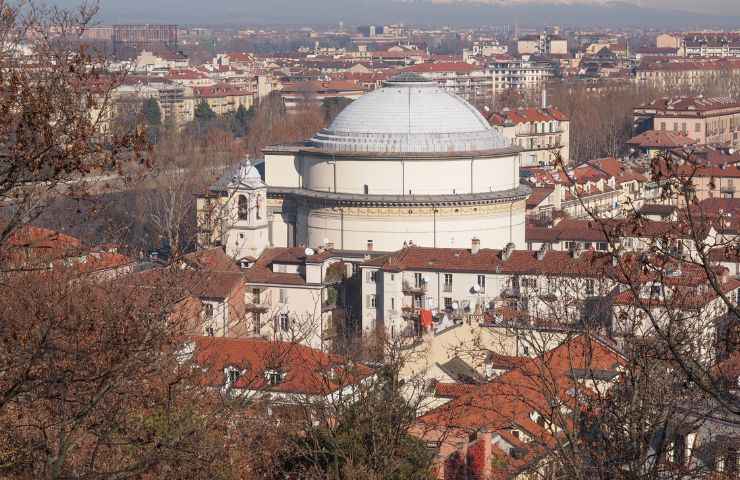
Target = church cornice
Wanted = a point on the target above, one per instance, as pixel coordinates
(393, 201)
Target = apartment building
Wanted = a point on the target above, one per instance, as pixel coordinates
(542, 44)
(518, 73)
(541, 133)
(464, 79)
(479, 285)
(714, 120)
(223, 98)
(685, 72)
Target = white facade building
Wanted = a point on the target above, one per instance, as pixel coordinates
(409, 163)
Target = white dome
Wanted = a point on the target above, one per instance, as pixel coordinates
(409, 115)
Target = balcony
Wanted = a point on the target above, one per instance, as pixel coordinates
(510, 292)
(414, 288)
(410, 313)
(257, 307)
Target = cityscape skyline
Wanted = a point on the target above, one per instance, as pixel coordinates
(662, 13)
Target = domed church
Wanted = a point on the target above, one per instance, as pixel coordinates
(408, 163)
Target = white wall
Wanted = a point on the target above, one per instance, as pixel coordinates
(390, 228)
(441, 176)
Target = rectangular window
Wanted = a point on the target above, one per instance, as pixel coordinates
(589, 287)
(602, 246)
(256, 323)
(208, 311)
(448, 302)
(393, 303)
(448, 282)
(697, 127)
(256, 296)
(284, 321)
(233, 376)
(371, 301)
(418, 280)
(662, 125)
(482, 283)
(283, 295)
(371, 276)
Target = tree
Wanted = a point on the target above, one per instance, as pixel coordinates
(152, 117)
(360, 435)
(152, 113)
(57, 111)
(331, 106)
(241, 121)
(204, 113)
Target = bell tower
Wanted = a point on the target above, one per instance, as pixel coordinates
(246, 225)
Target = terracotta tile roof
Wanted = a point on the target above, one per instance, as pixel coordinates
(200, 284)
(453, 390)
(526, 115)
(261, 271)
(539, 194)
(508, 400)
(458, 67)
(661, 139)
(667, 105)
(214, 259)
(306, 370)
(489, 260)
(689, 298)
(219, 91)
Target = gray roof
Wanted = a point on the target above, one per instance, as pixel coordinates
(460, 371)
(410, 114)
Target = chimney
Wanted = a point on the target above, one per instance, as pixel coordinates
(541, 252)
(506, 252)
(475, 246)
(575, 251)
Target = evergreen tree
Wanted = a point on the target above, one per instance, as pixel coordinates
(152, 113)
(204, 113)
(240, 121)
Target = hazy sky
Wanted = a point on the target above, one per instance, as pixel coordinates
(355, 11)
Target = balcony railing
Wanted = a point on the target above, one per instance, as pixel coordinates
(414, 288)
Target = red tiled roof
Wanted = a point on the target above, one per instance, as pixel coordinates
(307, 370)
(661, 139)
(526, 115)
(214, 259)
(262, 272)
(539, 194)
(509, 400)
(453, 390)
(488, 260)
(459, 67)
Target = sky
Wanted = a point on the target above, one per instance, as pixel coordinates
(388, 11)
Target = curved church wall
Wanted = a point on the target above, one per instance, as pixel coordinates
(439, 176)
(389, 227)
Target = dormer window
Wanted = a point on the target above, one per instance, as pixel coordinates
(208, 311)
(274, 377)
(243, 207)
(232, 375)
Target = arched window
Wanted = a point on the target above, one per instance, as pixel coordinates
(243, 208)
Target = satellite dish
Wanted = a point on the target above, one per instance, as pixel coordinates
(476, 288)
(455, 305)
(309, 252)
(325, 241)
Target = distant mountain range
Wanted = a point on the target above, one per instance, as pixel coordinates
(418, 12)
